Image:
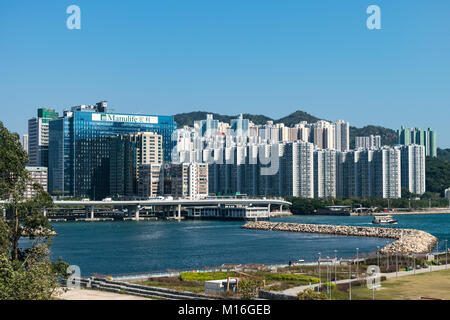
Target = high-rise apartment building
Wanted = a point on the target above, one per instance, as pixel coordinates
(39, 176)
(25, 142)
(324, 135)
(127, 153)
(342, 135)
(325, 173)
(368, 142)
(413, 168)
(189, 180)
(408, 136)
(150, 181)
(239, 126)
(297, 165)
(208, 127)
(387, 172)
(367, 173)
(38, 137)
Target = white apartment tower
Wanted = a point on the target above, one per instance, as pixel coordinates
(387, 171)
(413, 168)
(342, 135)
(325, 173)
(298, 167)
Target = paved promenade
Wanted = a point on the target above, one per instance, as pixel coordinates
(84, 294)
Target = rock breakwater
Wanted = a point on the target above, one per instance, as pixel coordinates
(407, 240)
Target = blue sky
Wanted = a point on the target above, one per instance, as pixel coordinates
(265, 57)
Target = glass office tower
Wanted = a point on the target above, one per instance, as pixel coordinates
(79, 148)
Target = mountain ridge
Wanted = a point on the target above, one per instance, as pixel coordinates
(388, 136)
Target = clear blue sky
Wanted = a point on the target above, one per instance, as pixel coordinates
(230, 56)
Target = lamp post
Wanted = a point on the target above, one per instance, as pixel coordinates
(437, 253)
(378, 256)
(396, 264)
(387, 259)
(357, 262)
(328, 283)
(446, 251)
(335, 263)
(350, 282)
(320, 279)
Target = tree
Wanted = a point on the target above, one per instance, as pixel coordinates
(25, 273)
(437, 175)
(249, 288)
(309, 294)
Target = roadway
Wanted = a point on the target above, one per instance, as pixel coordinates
(182, 202)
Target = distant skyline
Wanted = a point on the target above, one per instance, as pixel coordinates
(230, 57)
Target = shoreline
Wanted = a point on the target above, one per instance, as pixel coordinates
(415, 212)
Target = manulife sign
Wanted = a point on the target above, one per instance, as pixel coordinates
(123, 118)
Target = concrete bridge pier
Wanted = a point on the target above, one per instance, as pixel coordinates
(45, 212)
(136, 214)
(179, 212)
(134, 211)
(4, 214)
(90, 212)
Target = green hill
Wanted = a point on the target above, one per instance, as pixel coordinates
(187, 119)
(388, 136)
(297, 117)
(443, 154)
(437, 175)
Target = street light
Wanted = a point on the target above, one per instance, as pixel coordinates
(378, 256)
(335, 263)
(437, 253)
(357, 263)
(387, 258)
(328, 282)
(320, 279)
(396, 264)
(350, 280)
(446, 250)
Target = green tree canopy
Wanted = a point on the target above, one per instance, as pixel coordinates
(25, 272)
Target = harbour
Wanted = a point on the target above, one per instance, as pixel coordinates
(124, 247)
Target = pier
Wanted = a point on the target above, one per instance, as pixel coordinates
(408, 241)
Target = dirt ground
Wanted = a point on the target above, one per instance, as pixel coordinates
(83, 294)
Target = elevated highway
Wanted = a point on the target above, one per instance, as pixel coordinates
(134, 206)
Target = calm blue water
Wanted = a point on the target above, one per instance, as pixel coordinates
(135, 247)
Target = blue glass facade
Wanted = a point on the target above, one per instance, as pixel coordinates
(79, 148)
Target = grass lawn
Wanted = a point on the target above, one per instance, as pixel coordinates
(431, 285)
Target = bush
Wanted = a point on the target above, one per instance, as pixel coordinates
(292, 277)
(328, 284)
(249, 288)
(308, 294)
(205, 276)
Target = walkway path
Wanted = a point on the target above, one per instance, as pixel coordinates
(88, 294)
(294, 291)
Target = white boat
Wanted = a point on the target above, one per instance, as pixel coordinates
(384, 220)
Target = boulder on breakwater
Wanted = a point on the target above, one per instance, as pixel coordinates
(407, 240)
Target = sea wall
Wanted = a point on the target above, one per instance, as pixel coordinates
(407, 240)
